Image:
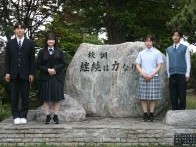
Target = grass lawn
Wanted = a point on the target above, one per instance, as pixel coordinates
(191, 102)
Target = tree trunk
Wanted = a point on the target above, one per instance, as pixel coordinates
(116, 32)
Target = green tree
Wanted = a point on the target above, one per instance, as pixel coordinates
(33, 13)
(69, 36)
(122, 20)
(186, 20)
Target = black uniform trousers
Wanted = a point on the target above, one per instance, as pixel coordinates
(178, 87)
(19, 88)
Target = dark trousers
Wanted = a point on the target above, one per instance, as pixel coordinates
(19, 89)
(178, 87)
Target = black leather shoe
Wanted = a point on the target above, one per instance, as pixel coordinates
(151, 117)
(56, 119)
(145, 117)
(48, 118)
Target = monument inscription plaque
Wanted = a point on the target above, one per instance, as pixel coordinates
(185, 139)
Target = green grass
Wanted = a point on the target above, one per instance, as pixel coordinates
(191, 102)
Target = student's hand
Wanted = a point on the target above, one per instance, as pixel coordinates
(7, 77)
(51, 71)
(31, 78)
(145, 76)
(54, 70)
(149, 77)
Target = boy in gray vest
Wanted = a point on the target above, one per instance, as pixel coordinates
(178, 69)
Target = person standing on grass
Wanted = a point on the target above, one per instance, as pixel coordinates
(148, 64)
(178, 69)
(19, 71)
(51, 65)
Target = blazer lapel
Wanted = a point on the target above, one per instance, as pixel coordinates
(16, 44)
(23, 44)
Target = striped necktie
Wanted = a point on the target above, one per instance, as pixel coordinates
(19, 44)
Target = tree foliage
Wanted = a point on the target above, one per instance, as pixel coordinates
(186, 20)
(33, 13)
(69, 37)
(122, 20)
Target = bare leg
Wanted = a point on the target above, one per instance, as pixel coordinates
(148, 106)
(144, 104)
(46, 108)
(56, 107)
(152, 106)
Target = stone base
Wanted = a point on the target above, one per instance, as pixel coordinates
(70, 110)
(92, 131)
(181, 118)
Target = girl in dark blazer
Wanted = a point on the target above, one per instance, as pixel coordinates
(51, 65)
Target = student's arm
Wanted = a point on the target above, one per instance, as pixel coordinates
(7, 60)
(40, 66)
(32, 66)
(61, 65)
(7, 64)
(159, 61)
(188, 64)
(138, 62)
(156, 70)
(167, 64)
(138, 67)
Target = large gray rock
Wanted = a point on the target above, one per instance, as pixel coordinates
(181, 118)
(70, 110)
(103, 79)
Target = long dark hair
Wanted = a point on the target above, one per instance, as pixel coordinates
(51, 36)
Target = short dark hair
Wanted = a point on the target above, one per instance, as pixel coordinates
(151, 37)
(176, 31)
(19, 25)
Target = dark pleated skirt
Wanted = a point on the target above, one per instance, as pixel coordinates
(51, 90)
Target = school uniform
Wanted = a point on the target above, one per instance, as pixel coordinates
(178, 69)
(19, 63)
(148, 60)
(51, 87)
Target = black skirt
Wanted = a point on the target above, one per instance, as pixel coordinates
(51, 90)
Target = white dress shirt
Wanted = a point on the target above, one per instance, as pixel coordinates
(51, 52)
(20, 39)
(149, 59)
(187, 58)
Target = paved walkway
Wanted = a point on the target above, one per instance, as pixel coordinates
(94, 130)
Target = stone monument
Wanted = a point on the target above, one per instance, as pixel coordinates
(103, 78)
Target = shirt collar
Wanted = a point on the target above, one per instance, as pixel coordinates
(150, 49)
(20, 39)
(177, 45)
(51, 48)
